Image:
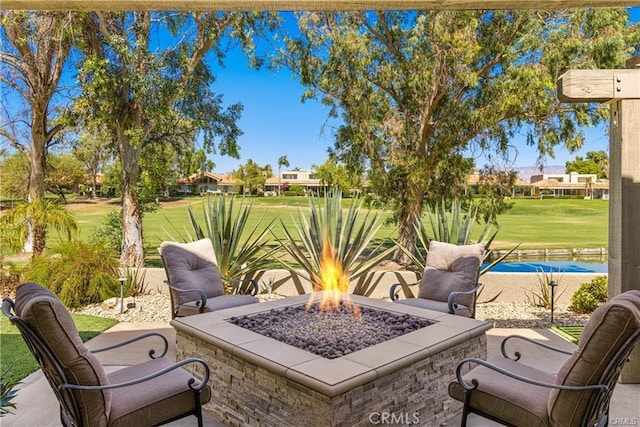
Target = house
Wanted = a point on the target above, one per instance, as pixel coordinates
(571, 184)
(303, 178)
(207, 182)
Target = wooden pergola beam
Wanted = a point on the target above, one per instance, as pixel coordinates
(599, 85)
(299, 5)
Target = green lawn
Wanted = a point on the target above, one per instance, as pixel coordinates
(571, 333)
(547, 223)
(15, 351)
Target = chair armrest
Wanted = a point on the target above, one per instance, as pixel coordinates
(474, 382)
(163, 371)
(517, 354)
(152, 352)
(254, 285)
(203, 297)
(394, 292)
(453, 295)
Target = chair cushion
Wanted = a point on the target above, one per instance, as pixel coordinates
(434, 305)
(215, 304)
(451, 268)
(510, 400)
(155, 401)
(608, 328)
(192, 266)
(50, 320)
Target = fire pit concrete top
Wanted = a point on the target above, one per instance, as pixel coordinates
(331, 377)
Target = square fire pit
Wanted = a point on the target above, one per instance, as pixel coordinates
(257, 380)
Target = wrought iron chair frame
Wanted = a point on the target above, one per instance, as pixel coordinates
(597, 413)
(69, 409)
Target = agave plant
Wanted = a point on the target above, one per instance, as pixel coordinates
(456, 228)
(328, 232)
(8, 392)
(238, 251)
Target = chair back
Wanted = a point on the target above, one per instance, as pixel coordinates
(189, 266)
(604, 347)
(53, 339)
(451, 268)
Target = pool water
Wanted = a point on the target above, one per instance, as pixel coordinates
(548, 266)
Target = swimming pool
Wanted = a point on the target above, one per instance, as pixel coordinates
(547, 266)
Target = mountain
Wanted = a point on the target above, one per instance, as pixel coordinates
(525, 173)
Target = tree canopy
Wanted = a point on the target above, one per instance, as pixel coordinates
(596, 162)
(416, 89)
(146, 93)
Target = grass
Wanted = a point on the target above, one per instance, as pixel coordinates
(546, 223)
(15, 351)
(571, 333)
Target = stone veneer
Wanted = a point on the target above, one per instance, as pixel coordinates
(259, 381)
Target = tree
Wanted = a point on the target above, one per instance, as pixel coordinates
(415, 89)
(597, 163)
(93, 150)
(334, 175)
(35, 49)
(38, 215)
(282, 161)
(14, 176)
(64, 174)
(148, 94)
(252, 176)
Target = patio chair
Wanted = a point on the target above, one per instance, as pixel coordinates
(510, 392)
(153, 392)
(450, 280)
(194, 281)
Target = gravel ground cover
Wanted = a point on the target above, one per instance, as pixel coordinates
(156, 308)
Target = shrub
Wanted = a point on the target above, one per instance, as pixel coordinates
(542, 296)
(80, 273)
(590, 295)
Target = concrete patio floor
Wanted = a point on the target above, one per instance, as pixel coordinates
(37, 406)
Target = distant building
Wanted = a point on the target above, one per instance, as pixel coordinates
(207, 183)
(571, 184)
(303, 178)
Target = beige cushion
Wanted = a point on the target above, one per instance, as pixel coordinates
(607, 329)
(451, 268)
(192, 266)
(510, 400)
(155, 401)
(440, 306)
(50, 320)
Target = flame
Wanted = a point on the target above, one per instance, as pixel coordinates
(333, 281)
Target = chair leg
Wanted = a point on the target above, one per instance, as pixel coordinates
(465, 408)
(199, 409)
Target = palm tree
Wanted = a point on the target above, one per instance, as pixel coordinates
(36, 216)
(282, 161)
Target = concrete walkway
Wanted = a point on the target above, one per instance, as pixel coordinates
(37, 406)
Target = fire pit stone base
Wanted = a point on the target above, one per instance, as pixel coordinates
(260, 381)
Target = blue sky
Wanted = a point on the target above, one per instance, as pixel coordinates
(276, 123)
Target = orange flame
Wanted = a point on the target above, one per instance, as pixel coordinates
(333, 281)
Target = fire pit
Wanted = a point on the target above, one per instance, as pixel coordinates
(258, 380)
(330, 334)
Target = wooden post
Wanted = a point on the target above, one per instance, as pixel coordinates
(622, 89)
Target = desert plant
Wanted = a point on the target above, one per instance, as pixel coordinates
(238, 251)
(590, 295)
(80, 273)
(329, 233)
(453, 227)
(541, 297)
(8, 391)
(37, 217)
(134, 280)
